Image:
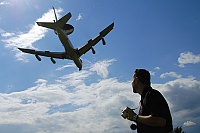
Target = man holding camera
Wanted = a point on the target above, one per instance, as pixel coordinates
(154, 115)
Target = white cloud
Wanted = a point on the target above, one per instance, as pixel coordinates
(80, 16)
(101, 67)
(152, 73)
(189, 123)
(7, 34)
(4, 3)
(170, 74)
(26, 39)
(157, 68)
(41, 81)
(188, 58)
(66, 66)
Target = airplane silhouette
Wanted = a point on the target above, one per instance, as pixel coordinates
(63, 30)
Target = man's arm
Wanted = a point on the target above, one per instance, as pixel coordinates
(151, 120)
(148, 120)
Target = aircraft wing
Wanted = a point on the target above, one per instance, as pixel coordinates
(60, 23)
(59, 55)
(92, 42)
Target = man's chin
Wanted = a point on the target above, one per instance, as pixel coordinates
(134, 91)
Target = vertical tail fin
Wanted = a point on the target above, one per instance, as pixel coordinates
(55, 15)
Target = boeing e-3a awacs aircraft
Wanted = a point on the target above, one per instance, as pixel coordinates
(63, 30)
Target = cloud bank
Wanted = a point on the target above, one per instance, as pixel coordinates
(68, 105)
(72, 104)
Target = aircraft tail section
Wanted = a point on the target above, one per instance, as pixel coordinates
(57, 23)
(55, 14)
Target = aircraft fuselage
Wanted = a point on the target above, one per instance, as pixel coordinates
(69, 49)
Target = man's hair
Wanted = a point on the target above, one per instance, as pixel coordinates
(143, 76)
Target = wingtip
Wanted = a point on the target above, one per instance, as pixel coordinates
(20, 49)
(112, 25)
(38, 23)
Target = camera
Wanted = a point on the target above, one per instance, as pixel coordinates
(125, 116)
(124, 113)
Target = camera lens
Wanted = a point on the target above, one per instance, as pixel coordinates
(133, 127)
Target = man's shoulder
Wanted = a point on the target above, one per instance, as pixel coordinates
(153, 93)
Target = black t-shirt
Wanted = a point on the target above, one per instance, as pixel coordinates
(154, 104)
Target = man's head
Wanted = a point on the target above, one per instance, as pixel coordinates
(141, 78)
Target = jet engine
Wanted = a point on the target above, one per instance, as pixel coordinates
(93, 51)
(80, 60)
(69, 29)
(103, 41)
(52, 60)
(39, 59)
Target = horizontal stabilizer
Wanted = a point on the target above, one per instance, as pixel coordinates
(47, 25)
(60, 23)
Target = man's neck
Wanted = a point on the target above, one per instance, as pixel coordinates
(142, 88)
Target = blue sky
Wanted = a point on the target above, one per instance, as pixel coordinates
(160, 36)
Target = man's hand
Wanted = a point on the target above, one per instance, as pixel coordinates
(131, 115)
